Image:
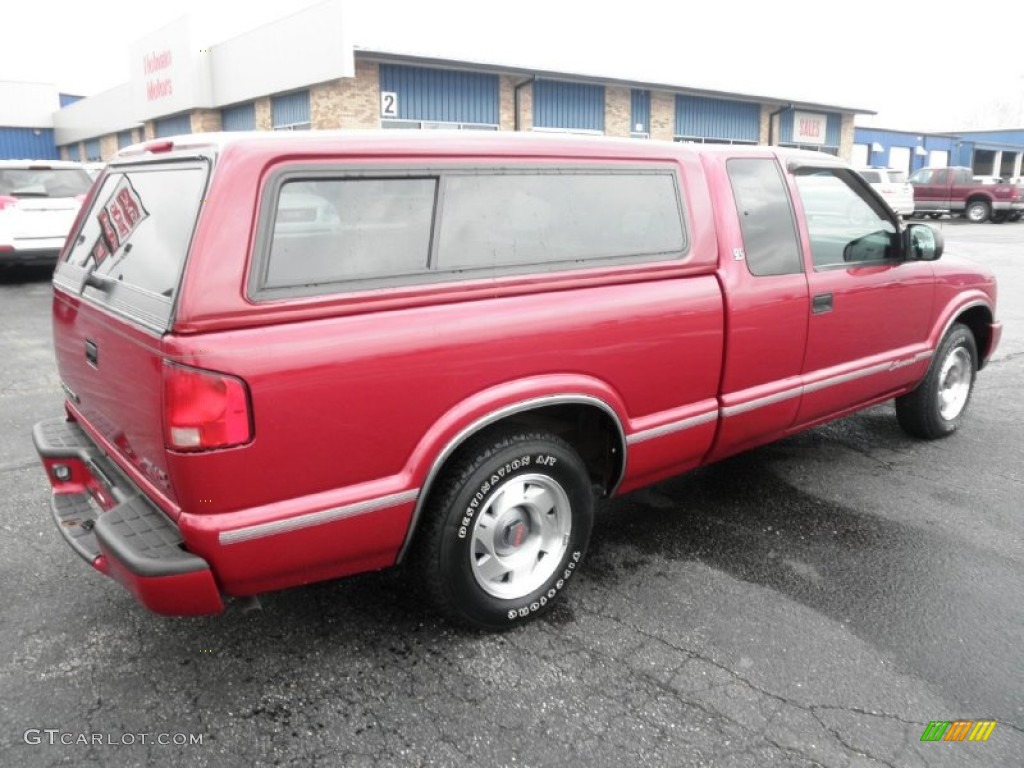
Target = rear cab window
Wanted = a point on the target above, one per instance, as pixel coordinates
(326, 231)
(130, 250)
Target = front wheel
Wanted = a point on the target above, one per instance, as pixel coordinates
(505, 530)
(937, 407)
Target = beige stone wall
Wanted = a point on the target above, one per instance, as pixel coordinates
(766, 120)
(663, 115)
(507, 102)
(526, 107)
(846, 137)
(108, 146)
(325, 105)
(359, 97)
(617, 111)
(263, 117)
(205, 120)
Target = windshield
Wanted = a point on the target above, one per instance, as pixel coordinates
(44, 182)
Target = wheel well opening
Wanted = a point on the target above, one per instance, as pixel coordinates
(979, 320)
(592, 432)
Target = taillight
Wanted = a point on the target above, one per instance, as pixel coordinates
(6, 201)
(204, 410)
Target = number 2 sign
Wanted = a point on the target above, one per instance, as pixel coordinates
(388, 104)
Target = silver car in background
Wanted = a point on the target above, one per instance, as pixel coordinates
(893, 186)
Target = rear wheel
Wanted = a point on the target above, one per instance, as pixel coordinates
(936, 408)
(506, 530)
(978, 211)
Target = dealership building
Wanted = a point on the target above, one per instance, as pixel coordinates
(338, 77)
(331, 81)
(989, 153)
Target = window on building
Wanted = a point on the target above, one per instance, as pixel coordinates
(640, 114)
(433, 125)
(717, 121)
(766, 217)
(177, 125)
(238, 118)
(568, 107)
(290, 112)
(425, 98)
(705, 140)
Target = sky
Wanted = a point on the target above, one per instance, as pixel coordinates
(919, 65)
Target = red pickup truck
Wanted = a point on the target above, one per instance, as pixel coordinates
(290, 358)
(954, 190)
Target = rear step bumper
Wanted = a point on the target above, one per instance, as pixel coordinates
(107, 520)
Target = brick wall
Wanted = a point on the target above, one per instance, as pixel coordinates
(358, 98)
(205, 120)
(663, 115)
(263, 115)
(506, 103)
(325, 105)
(108, 146)
(766, 121)
(617, 111)
(149, 130)
(846, 137)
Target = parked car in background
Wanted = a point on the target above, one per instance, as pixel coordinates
(38, 204)
(893, 186)
(954, 190)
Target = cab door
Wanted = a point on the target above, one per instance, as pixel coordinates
(762, 272)
(870, 308)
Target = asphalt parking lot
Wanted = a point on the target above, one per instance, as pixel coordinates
(813, 603)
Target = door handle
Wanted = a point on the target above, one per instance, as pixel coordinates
(821, 303)
(92, 353)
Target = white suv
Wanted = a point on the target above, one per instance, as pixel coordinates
(38, 204)
(892, 185)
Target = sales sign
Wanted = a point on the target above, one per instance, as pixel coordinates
(809, 127)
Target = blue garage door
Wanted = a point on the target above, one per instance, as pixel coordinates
(124, 139)
(290, 112)
(92, 150)
(430, 96)
(717, 120)
(27, 143)
(568, 106)
(238, 118)
(173, 126)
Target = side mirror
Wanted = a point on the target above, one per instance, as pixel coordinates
(922, 243)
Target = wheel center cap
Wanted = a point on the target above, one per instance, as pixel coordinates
(514, 534)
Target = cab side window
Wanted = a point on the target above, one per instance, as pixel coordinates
(846, 224)
(766, 216)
